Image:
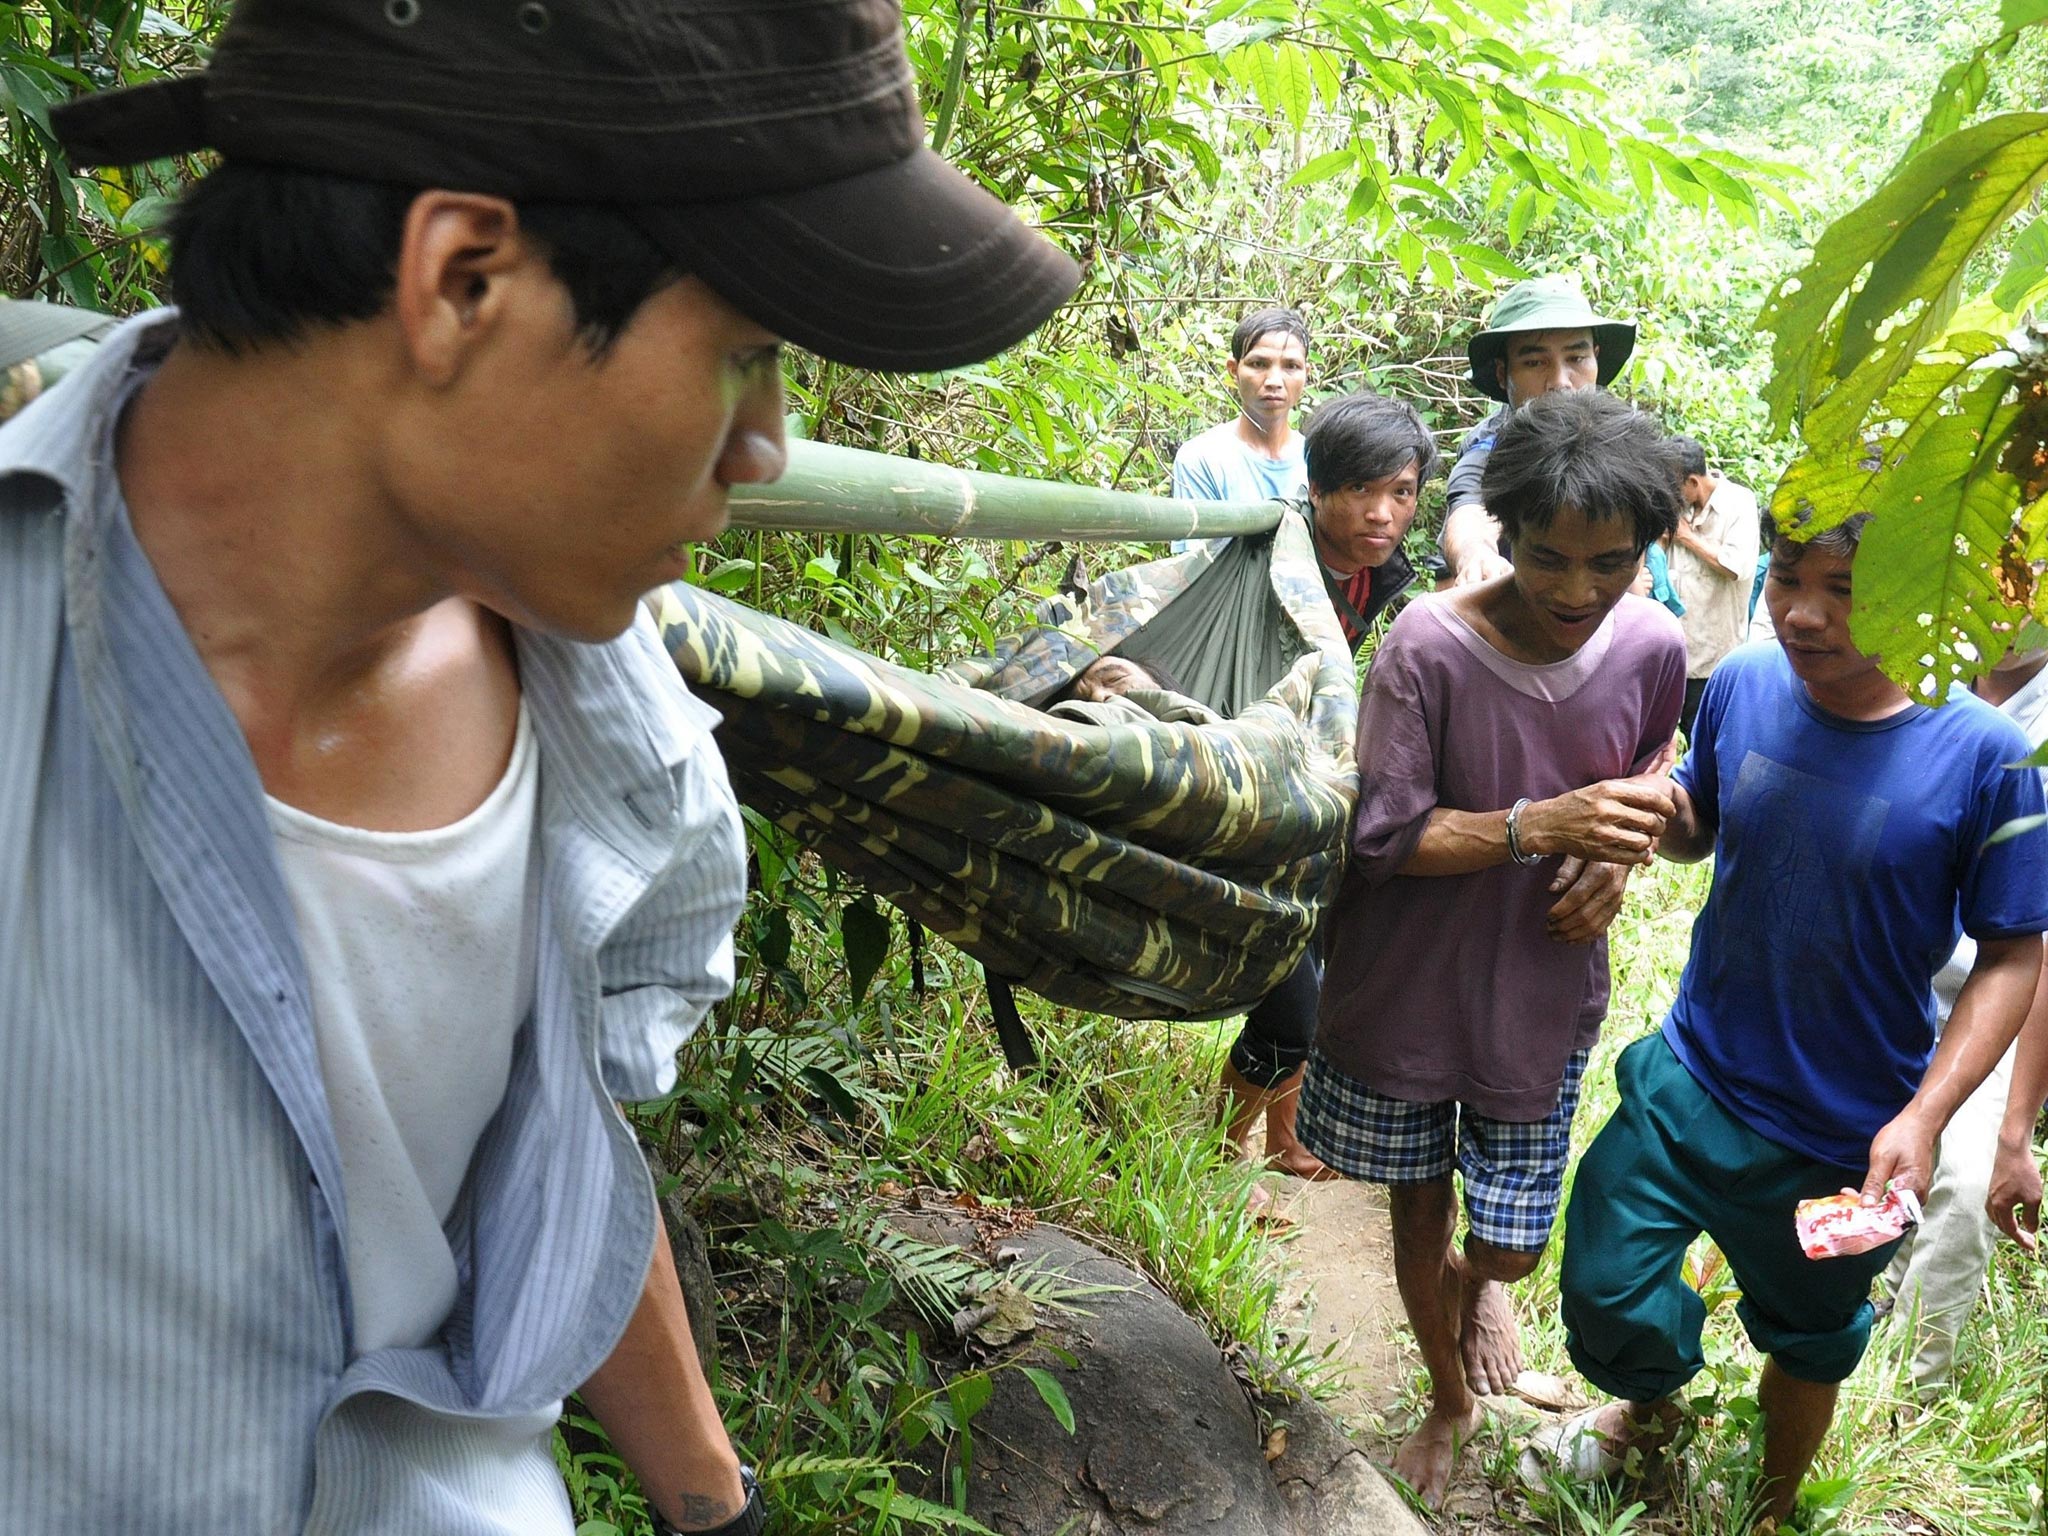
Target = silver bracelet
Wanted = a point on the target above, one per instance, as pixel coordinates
(1515, 849)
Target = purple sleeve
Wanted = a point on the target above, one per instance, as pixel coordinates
(1666, 699)
(1396, 758)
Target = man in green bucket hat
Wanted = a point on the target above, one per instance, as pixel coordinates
(1543, 335)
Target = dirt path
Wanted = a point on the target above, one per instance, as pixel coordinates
(1338, 1288)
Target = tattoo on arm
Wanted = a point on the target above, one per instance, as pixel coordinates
(701, 1511)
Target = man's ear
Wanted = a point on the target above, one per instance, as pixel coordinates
(452, 284)
(1231, 364)
(1500, 373)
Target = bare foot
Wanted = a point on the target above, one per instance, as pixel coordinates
(1488, 1340)
(1293, 1158)
(1263, 1207)
(1429, 1455)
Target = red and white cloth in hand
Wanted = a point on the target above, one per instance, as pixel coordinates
(1837, 1225)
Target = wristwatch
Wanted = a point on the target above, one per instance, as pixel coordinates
(750, 1521)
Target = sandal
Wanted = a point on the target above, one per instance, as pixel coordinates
(1576, 1452)
(1571, 1449)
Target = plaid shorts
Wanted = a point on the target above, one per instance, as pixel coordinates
(1513, 1170)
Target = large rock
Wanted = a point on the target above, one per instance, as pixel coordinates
(1168, 1441)
(693, 1267)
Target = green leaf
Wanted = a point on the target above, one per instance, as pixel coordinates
(1928, 603)
(1839, 332)
(773, 944)
(22, 92)
(1278, 75)
(1479, 258)
(1364, 198)
(864, 936)
(1296, 86)
(969, 1393)
(827, 1085)
(1408, 252)
(1324, 167)
(148, 214)
(1054, 1394)
(893, 1501)
(727, 576)
(2025, 269)
(2005, 832)
(2015, 14)
(1225, 36)
(1500, 55)
(1521, 215)
(1839, 478)
(1958, 95)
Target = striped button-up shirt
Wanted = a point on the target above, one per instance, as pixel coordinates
(174, 1311)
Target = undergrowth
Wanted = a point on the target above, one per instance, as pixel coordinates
(803, 1120)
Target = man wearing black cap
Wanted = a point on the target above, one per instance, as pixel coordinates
(1542, 336)
(358, 845)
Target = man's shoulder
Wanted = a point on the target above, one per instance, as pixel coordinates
(1987, 728)
(1733, 498)
(56, 437)
(594, 688)
(1424, 618)
(1753, 660)
(1211, 442)
(1642, 625)
(1480, 438)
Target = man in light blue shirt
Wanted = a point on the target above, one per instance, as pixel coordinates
(354, 541)
(1256, 455)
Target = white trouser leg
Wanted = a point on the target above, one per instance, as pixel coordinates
(1939, 1271)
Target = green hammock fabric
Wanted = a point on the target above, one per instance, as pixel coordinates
(1150, 870)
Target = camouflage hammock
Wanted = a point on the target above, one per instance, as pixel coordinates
(1169, 867)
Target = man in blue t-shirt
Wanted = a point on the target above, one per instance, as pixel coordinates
(1851, 831)
(1256, 455)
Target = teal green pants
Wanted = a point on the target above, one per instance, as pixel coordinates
(1671, 1164)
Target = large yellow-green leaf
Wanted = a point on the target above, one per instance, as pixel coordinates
(1840, 477)
(1928, 598)
(1882, 280)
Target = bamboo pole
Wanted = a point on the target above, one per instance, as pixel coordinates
(829, 489)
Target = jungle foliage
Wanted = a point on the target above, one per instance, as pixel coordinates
(1383, 167)
(1916, 371)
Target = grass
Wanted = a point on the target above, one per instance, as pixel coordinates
(798, 1123)
(1972, 1463)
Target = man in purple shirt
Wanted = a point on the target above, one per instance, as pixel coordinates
(1511, 733)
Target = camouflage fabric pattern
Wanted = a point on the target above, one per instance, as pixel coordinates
(1066, 634)
(1143, 870)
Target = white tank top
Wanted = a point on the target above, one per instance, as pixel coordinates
(420, 948)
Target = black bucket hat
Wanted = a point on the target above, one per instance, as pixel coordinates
(774, 147)
(1545, 304)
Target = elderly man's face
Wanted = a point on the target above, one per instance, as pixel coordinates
(1538, 362)
(1108, 676)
